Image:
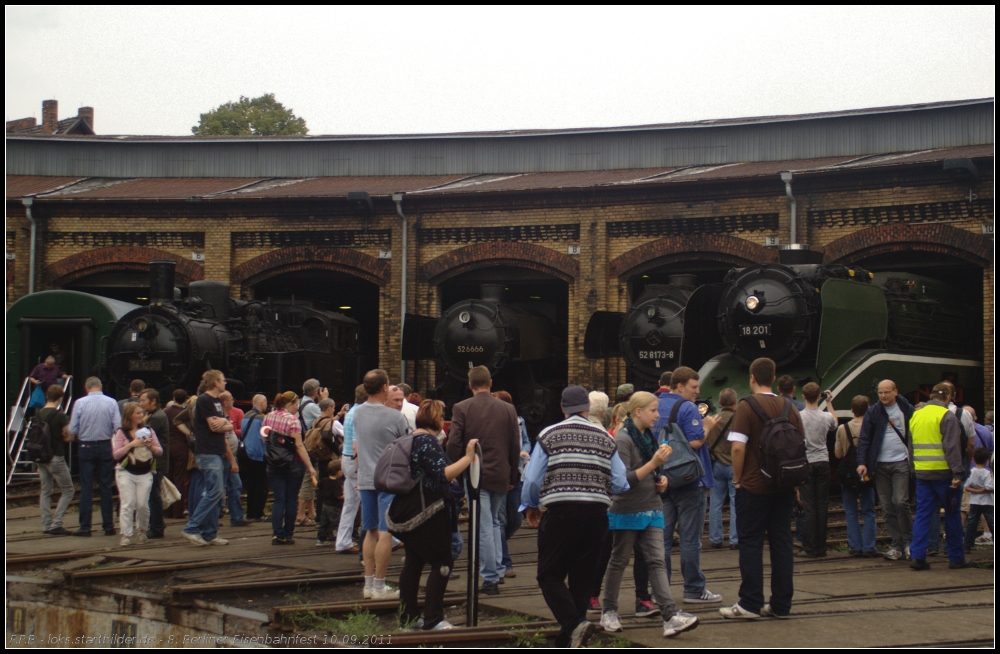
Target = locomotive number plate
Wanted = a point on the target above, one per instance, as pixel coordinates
(755, 330)
(656, 354)
(145, 364)
(464, 349)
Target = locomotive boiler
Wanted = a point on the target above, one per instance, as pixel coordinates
(663, 329)
(517, 342)
(846, 329)
(261, 346)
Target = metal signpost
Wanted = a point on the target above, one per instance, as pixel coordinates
(474, 479)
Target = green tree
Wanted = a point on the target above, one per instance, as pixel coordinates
(263, 116)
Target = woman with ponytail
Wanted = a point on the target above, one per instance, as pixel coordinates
(636, 516)
(287, 463)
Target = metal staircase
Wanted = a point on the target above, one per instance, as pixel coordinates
(18, 465)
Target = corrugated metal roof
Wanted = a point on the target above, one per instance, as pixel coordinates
(853, 134)
(19, 186)
(712, 122)
(217, 188)
(319, 187)
(159, 188)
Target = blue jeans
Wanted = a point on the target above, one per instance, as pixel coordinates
(491, 535)
(234, 488)
(510, 521)
(456, 545)
(856, 540)
(685, 508)
(205, 518)
(196, 490)
(723, 476)
(96, 457)
(934, 533)
(156, 524)
(285, 486)
(929, 493)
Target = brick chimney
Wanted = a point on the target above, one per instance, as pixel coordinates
(50, 116)
(87, 115)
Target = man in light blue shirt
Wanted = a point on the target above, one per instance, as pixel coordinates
(95, 420)
(349, 466)
(685, 506)
(573, 471)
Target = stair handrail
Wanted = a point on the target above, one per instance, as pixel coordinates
(16, 415)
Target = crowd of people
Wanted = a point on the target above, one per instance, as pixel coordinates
(609, 485)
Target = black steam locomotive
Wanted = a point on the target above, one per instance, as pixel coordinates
(815, 321)
(662, 330)
(518, 342)
(264, 347)
(818, 312)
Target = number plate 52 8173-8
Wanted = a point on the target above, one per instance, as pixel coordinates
(755, 330)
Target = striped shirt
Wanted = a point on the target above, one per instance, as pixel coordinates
(282, 421)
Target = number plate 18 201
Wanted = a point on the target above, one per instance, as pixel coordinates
(755, 330)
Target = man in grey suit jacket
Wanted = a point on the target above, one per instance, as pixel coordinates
(494, 423)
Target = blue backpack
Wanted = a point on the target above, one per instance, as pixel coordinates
(252, 442)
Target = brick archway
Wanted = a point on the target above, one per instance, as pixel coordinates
(717, 247)
(285, 260)
(500, 253)
(118, 259)
(899, 237)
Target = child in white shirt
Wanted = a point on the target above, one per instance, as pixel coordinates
(980, 487)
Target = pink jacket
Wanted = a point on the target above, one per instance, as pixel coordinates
(120, 441)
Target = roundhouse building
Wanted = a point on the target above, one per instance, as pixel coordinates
(581, 219)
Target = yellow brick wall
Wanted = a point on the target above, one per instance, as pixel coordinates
(595, 288)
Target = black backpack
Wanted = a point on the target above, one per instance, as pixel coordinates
(782, 448)
(280, 453)
(847, 469)
(39, 439)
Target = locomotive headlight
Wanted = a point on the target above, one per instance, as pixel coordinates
(141, 325)
(703, 409)
(753, 302)
(651, 312)
(464, 317)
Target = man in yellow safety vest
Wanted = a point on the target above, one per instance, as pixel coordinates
(937, 460)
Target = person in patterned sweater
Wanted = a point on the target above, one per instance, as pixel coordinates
(573, 471)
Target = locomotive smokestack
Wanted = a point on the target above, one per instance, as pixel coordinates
(491, 292)
(161, 280)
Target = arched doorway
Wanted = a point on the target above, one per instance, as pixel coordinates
(332, 291)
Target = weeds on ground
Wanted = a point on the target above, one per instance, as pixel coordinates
(514, 618)
(402, 622)
(617, 642)
(357, 623)
(528, 639)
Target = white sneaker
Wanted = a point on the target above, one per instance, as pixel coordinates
(893, 554)
(218, 541)
(737, 611)
(385, 594)
(142, 538)
(906, 553)
(678, 623)
(581, 634)
(444, 624)
(768, 612)
(611, 622)
(195, 539)
(124, 542)
(707, 597)
(367, 594)
(985, 539)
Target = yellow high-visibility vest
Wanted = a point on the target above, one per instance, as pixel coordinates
(925, 426)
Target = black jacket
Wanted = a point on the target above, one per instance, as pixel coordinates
(873, 428)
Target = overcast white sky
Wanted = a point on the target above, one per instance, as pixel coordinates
(151, 70)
